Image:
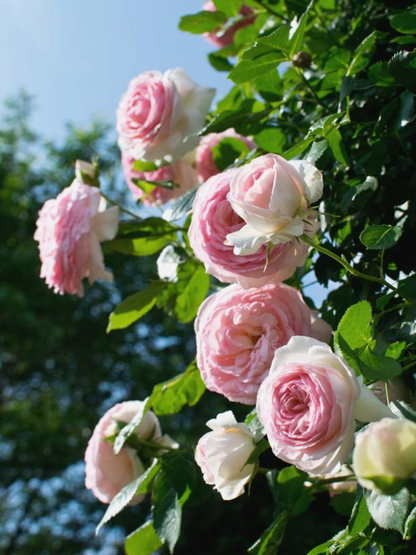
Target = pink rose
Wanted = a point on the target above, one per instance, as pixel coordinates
(225, 38)
(69, 231)
(222, 455)
(213, 219)
(308, 403)
(181, 173)
(238, 331)
(158, 112)
(273, 197)
(205, 164)
(107, 473)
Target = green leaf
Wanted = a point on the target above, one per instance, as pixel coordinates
(201, 22)
(247, 70)
(148, 186)
(250, 111)
(134, 307)
(395, 349)
(402, 67)
(166, 511)
(181, 206)
(271, 139)
(142, 238)
(379, 74)
(334, 59)
(297, 31)
(218, 62)
(193, 294)
(337, 146)
(271, 538)
(229, 7)
(186, 389)
(316, 151)
(270, 86)
(363, 54)
(404, 22)
(227, 151)
(291, 482)
(360, 516)
(128, 430)
(410, 525)
(380, 236)
(143, 541)
(389, 511)
(141, 166)
(124, 496)
(182, 471)
(278, 40)
(353, 340)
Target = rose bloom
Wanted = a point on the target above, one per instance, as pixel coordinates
(222, 455)
(213, 219)
(225, 38)
(238, 331)
(107, 473)
(180, 173)
(205, 164)
(308, 404)
(386, 449)
(158, 112)
(273, 197)
(69, 231)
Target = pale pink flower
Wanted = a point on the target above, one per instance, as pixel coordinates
(158, 113)
(69, 230)
(204, 159)
(238, 331)
(225, 38)
(107, 473)
(180, 172)
(213, 219)
(223, 453)
(308, 404)
(273, 197)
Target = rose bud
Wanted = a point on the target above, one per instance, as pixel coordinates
(107, 473)
(205, 163)
(385, 455)
(214, 219)
(273, 197)
(238, 331)
(223, 453)
(158, 113)
(308, 404)
(86, 173)
(302, 59)
(69, 230)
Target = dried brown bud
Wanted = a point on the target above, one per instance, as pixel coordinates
(302, 59)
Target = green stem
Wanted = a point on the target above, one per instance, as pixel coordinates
(262, 470)
(346, 265)
(335, 480)
(310, 89)
(114, 203)
(411, 365)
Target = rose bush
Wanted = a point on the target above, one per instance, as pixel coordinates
(158, 112)
(225, 38)
(238, 331)
(223, 453)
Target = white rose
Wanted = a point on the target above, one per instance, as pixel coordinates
(386, 449)
(222, 455)
(273, 197)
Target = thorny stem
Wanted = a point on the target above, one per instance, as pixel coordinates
(114, 203)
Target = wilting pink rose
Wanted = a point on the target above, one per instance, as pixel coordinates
(205, 164)
(308, 404)
(273, 197)
(213, 219)
(158, 112)
(107, 473)
(181, 173)
(222, 455)
(69, 231)
(238, 331)
(225, 38)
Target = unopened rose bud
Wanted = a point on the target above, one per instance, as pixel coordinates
(385, 454)
(86, 173)
(302, 59)
(223, 453)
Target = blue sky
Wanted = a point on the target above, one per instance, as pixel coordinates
(78, 56)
